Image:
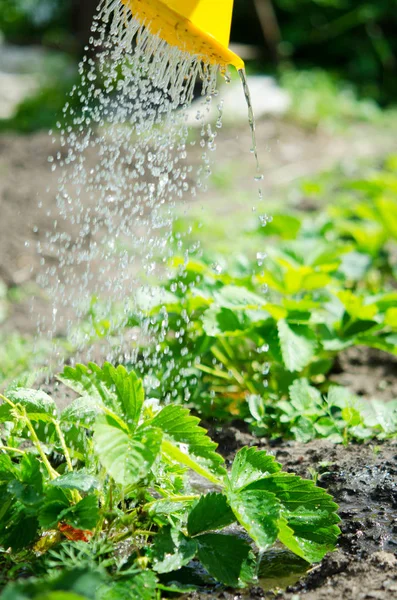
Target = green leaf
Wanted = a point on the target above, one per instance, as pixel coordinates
(305, 398)
(188, 443)
(82, 411)
(17, 528)
(304, 430)
(8, 469)
(297, 343)
(116, 388)
(211, 512)
(258, 512)
(140, 587)
(68, 584)
(29, 486)
(356, 327)
(278, 564)
(285, 226)
(127, 458)
(249, 465)
(61, 596)
(77, 480)
(381, 415)
(226, 557)
(351, 416)
(129, 391)
(233, 296)
(55, 504)
(83, 515)
(308, 523)
(38, 405)
(220, 321)
(172, 550)
(86, 380)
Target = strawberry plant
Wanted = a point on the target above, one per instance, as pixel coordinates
(103, 490)
(240, 333)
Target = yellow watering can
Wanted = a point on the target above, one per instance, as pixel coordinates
(199, 27)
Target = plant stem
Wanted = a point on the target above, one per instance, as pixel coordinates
(63, 444)
(7, 401)
(9, 449)
(172, 499)
(51, 472)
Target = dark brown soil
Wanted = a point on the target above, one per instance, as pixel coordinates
(367, 372)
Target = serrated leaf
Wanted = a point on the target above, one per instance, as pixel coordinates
(307, 511)
(140, 587)
(121, 391)
(8, 469)
(258, 512)
(28, 489)
(297, 343)
(127, 458)
(226, 558)
(305, 398)
(382, 415)
(278, 564)
(38, 405)
(129, 391)
(220, 321)
(82, 411)
(188, 443)
(211, 512)
(76, 480)
(172, 550)
(86, 380)
(233, 296)
(249, 465)
(83, 515)
(304, 430)
(17, 528)
(55, 503)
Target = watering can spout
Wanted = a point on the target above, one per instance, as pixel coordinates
(199, 27)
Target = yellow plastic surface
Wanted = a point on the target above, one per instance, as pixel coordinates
(200, 27)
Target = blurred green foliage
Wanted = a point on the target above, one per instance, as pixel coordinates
(42, 110)
(27, 21)
(319, 99)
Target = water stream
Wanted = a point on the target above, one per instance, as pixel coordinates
(127, 161)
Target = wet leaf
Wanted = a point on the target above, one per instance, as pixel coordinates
(78, 480)
(226, 558)
(249, 465)
(172, 550)
(258, 512)
(297, 343)
(127, 458)
(308, 525)
(188, 443)
(209, 513)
